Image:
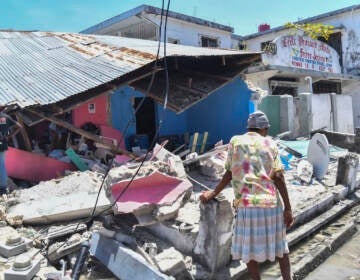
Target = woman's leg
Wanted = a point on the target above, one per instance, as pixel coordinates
(253, 268)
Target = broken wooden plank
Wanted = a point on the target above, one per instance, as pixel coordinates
(192, 90)
(23, 132)
(193, 141)
(204, 142)
(207, 75)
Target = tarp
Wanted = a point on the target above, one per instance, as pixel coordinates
(33, 167)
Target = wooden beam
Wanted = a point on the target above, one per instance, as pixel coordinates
(192, 90)
(83, 133)
(156, 98)
(249, 60)
(207, 75)
(23, 132)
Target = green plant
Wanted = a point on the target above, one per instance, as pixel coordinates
(312, 30)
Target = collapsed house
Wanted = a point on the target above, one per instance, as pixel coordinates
(71, 79)
(142, 217)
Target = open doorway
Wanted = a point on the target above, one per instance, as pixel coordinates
(145, 117)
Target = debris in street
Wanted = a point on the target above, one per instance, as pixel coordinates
(24, 268)
(124, 262)
(305, 171)
(53, 201)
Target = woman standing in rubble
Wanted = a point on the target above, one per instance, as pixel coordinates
(6, 124)
(254, 168)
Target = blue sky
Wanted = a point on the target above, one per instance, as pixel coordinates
(76, 15)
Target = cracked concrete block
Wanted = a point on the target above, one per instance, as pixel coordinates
(184, 241)
(171, 262)
(213, 167)
(168, 212)
(171, 159)
(347, 169)
(339, 192)
(123, 262)
(213, 243)
(304, 171)
(23, 269)
(57, 250)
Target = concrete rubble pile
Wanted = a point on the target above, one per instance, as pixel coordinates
(43, 228)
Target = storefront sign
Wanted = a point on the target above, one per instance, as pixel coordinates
(303, 52)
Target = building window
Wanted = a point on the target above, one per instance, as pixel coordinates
(209, 42)
(334, 41)
(173, 41)
(327, 87)
(283, 86)
(268, 47)
(242, 46)
(92, 108)
(264, 45)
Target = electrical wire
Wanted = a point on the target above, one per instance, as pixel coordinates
(160, 121)
(93, 215)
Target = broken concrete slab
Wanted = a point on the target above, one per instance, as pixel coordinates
(127, 171)
(213, 243)
(154, 189)
(171, 262)
(60, 231)
(172, 160)
(183, 230)
(60, 249)
(214, 166)
(305, 171)
(167, 212)
(53, 201)
(347, 169)
(122, 261)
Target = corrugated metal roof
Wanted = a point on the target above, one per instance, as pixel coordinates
(44, 67)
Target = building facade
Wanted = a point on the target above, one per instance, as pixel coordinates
(144, 21)
(294, 64)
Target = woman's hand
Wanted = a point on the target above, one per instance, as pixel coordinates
(288, 219)
(206, 196)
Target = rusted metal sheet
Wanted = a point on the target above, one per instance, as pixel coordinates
(41, 68)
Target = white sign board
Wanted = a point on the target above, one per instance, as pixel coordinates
(302, 52)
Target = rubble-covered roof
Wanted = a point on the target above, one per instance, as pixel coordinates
(156, 11)
(40, 68)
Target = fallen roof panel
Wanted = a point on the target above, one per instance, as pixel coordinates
(41, 68)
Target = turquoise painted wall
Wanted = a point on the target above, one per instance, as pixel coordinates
(270, 105)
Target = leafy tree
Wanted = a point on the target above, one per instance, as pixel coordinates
(312, 30)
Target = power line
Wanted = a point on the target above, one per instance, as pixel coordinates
(93, 215)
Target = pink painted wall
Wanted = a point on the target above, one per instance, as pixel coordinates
(98, 116)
